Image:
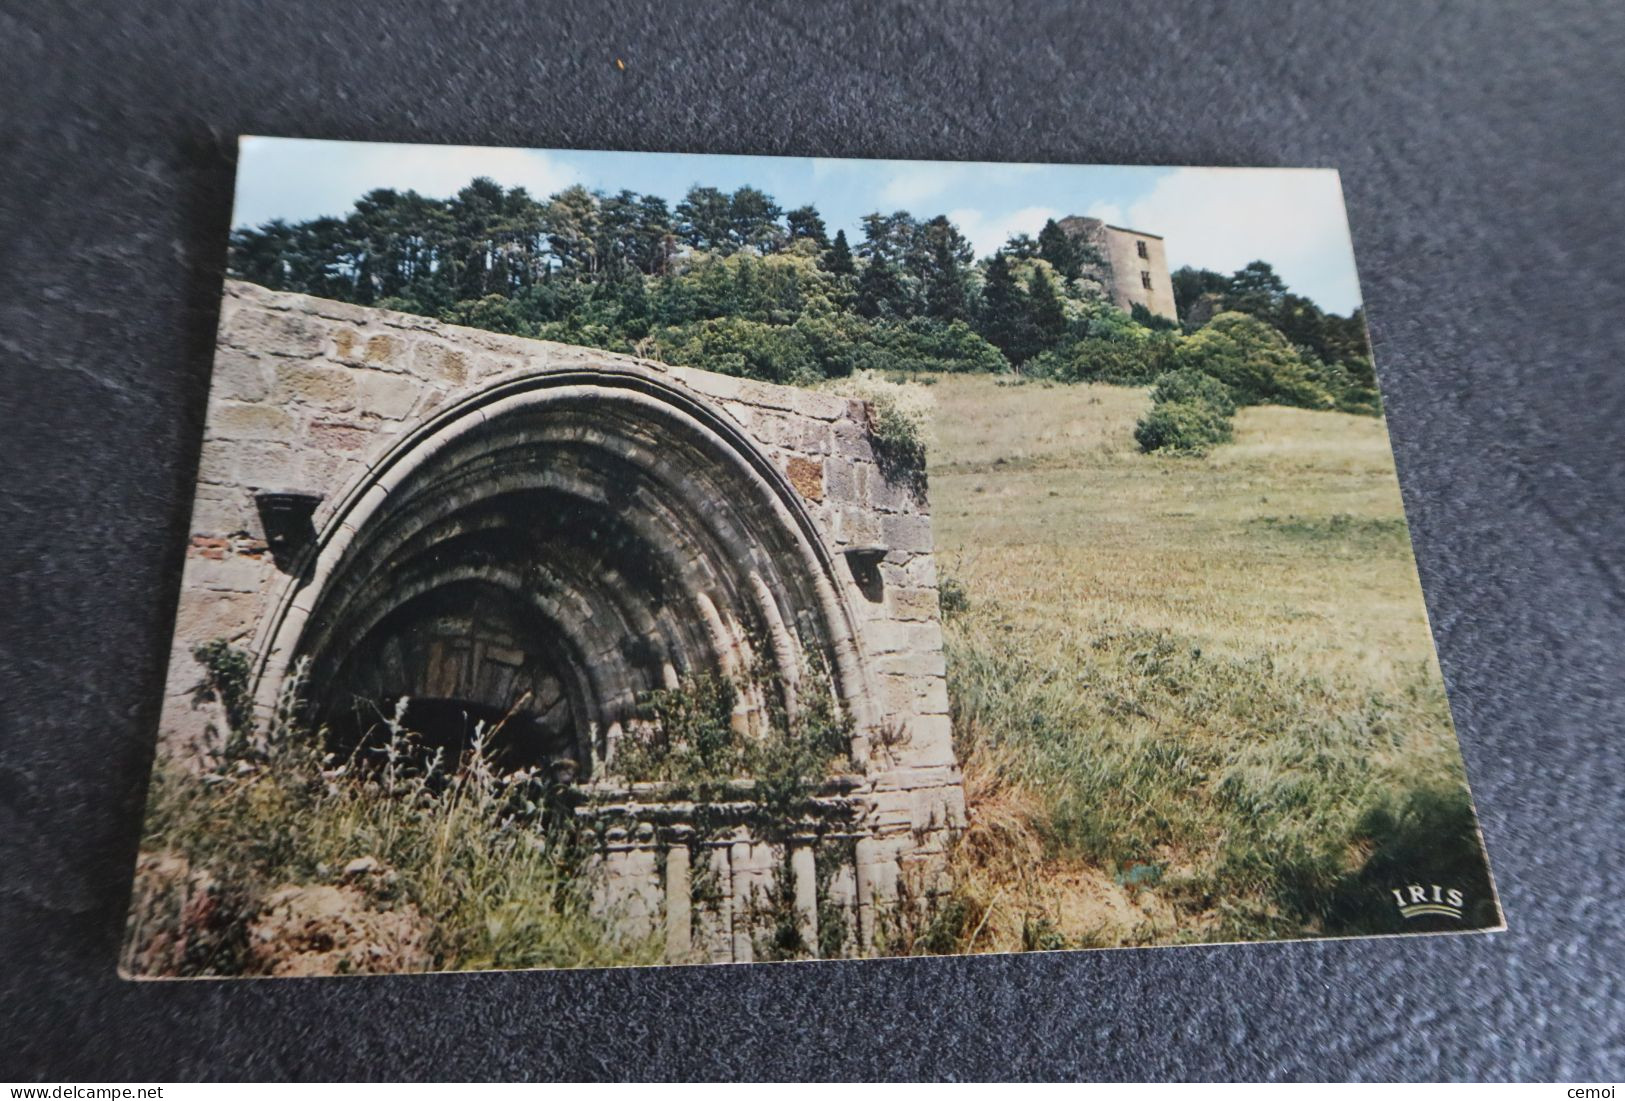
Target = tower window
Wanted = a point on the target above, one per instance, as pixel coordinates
(1139, 246)
(1145, 280)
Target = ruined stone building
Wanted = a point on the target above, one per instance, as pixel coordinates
(466, 519)
(1132, 266)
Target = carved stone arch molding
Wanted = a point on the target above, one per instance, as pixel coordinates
(470, 520)
(554, 547)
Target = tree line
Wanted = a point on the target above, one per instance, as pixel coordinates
(734, 282)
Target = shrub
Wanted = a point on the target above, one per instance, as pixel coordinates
(482, 854)
(925, 344)
(687, 738)
(732, 346)
(1186, 385)
(899, 417)
(1254, 361)
(1190, 427)
(1125, 361)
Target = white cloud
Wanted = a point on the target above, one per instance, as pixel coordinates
(1223, 218)
(988, 235)
(1110, 213)
(296, 179)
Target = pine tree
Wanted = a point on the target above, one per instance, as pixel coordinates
(938, 260)
(1004, 310)
(804, 222)
(838, 259)
(880, 290)
(704, 219)
(1046, 316)
(1058, 247)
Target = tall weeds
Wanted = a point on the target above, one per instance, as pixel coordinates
(1257, 801)
(487, 859)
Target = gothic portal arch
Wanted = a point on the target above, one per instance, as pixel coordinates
(551, 548)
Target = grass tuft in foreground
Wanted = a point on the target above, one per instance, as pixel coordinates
(280, 860)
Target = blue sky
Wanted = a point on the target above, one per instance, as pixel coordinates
(1219, 218)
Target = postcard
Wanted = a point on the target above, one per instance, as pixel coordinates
(609, 559)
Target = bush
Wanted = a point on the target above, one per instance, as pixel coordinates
(899, 417)
(499, 875)
(1190, 427)
(1187, 385)
(686, 738)
(1255, 362)
(732, 346)
(924, 344)
(1124, 361)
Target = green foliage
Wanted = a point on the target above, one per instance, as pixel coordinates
(1335, 348)
(227, 674)
(1186, 385)
(474, 853)
(1278, 802)
(735, 346)
(1130, 359)
(838, 260)
(1190, 427)
(730, 282)
(1068, 255)
(1142, 315)
(688, 738)
(1254, 361)
(925, 344)
(1004, 310)
(899, 419)
(952, 596)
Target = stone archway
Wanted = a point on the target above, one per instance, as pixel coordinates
(554, 547)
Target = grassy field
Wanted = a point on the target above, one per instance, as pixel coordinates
(1196, 698)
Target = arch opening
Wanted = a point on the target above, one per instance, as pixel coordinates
(545, 563)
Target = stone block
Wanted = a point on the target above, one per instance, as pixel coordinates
(271, 333)
(912, 604)
(260, 464)
(887, 494)
(205, 615)
(912, 663)
(223, 510)
(931, 696)
(807, 475)
(436, 362)
(230, 572)
(852, 440)
(323, 385)
(840, 483)
(932, 733)
(383, 349)
(249, 421)
(815, 438)
(385, 395)
(904, 532)
(331, 436)
(239, 376)
(856, 526)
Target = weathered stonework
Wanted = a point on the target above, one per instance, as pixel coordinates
(695, 521)
(1132, 266)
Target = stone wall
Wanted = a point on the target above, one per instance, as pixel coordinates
(1129, 268)
(330, 401)
(1121, 268)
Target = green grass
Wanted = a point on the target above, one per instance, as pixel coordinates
(1204, 686)
(466, 860)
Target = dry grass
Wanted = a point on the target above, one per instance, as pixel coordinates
(1203, 687)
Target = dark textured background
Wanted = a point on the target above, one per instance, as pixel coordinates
(1482, 159)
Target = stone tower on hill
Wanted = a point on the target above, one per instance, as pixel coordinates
(1133, 266)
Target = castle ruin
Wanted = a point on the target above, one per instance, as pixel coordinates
(1132, 266)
